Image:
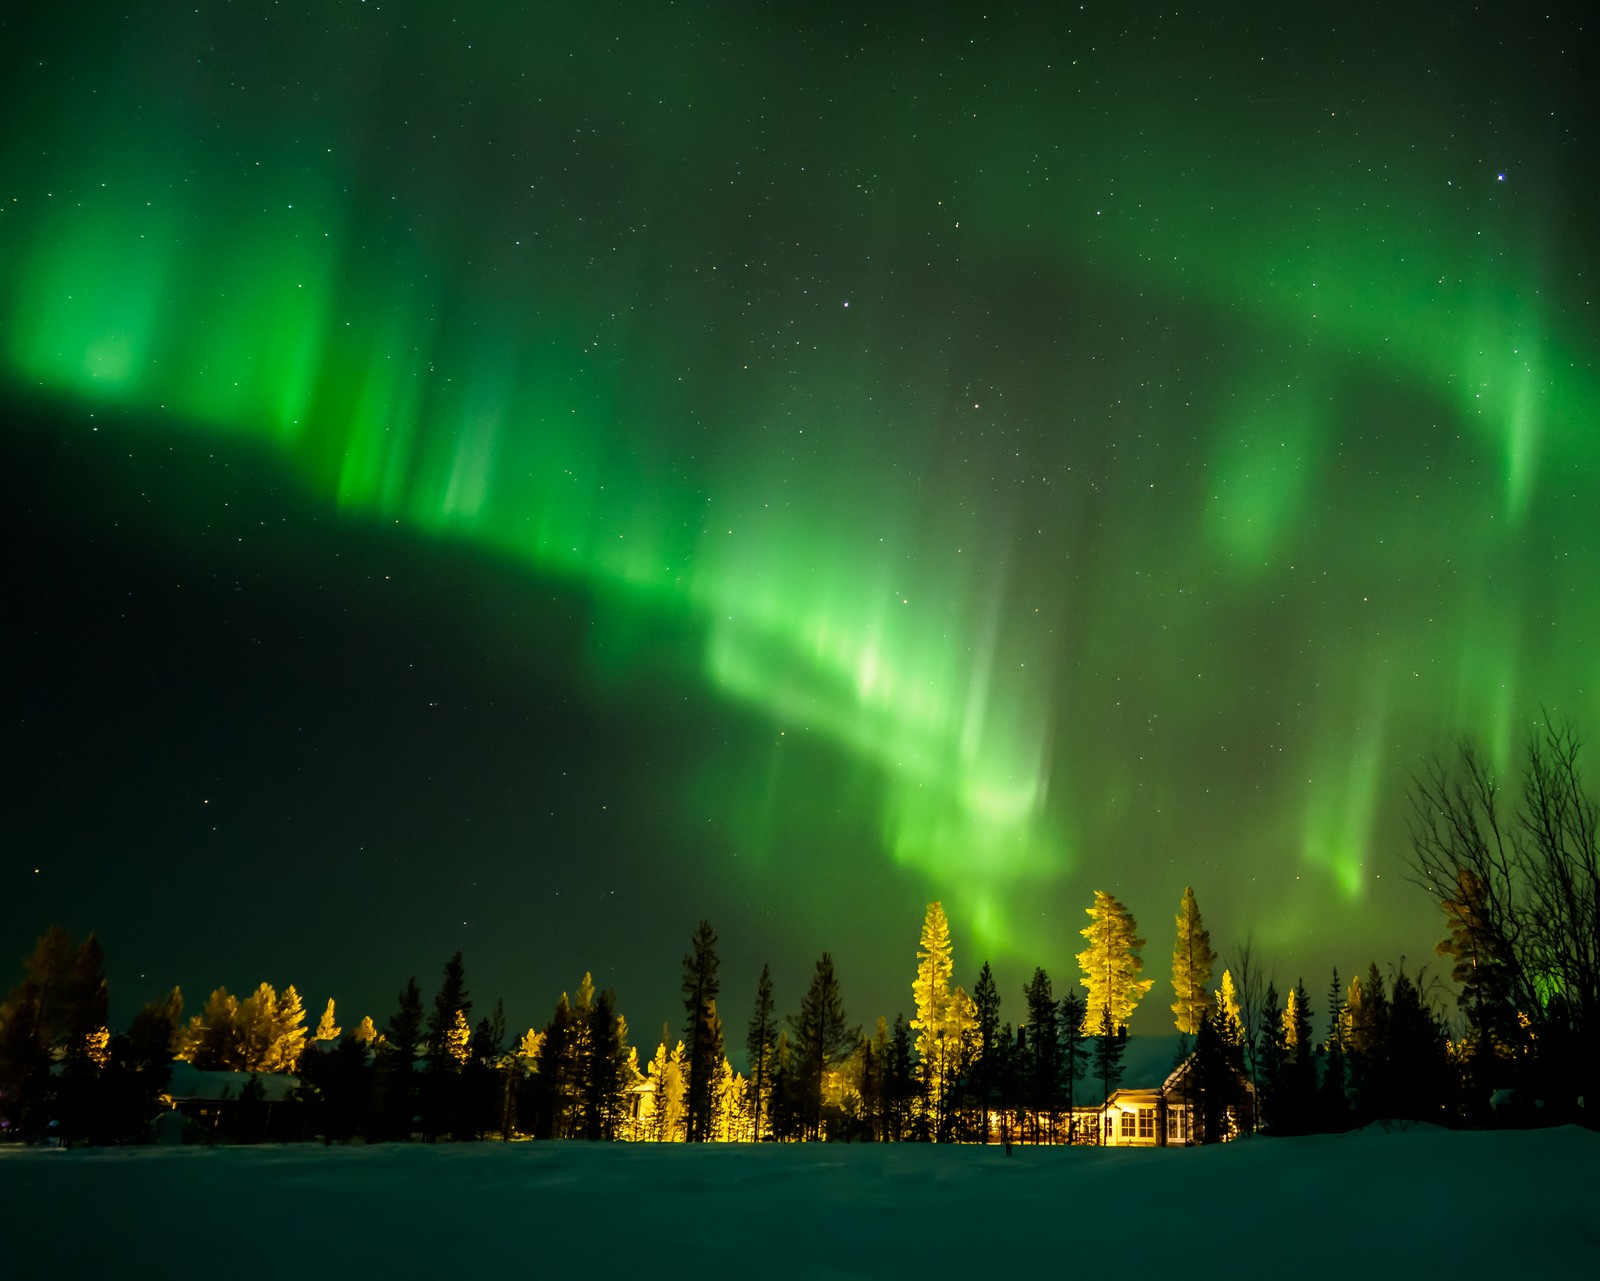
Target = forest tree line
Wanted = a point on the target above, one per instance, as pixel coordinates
(1519, 885)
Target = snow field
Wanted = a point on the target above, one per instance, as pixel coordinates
(1409, 1202)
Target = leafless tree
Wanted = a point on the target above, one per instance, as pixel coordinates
(1520, 886)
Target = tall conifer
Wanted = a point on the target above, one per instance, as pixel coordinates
(702, 1032)
(1192, 967)
(1111, 963)
(761, 1045)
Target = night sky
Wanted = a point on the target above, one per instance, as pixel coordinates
(523, 478)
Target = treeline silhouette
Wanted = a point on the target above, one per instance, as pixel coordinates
(1519, 885)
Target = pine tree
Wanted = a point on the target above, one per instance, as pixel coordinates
(403, 1035)
(1192, 962)
(1300, 1060)
(256, 1023)
(1334, 1105)
(288, 1033)
(823, 1038)
(702, 1032)
(876, 1059)
(603, 1067)
(1041, 1061)
(1230, 1018)
(761, 1045)
(1074, 1054)
(212, 1040)
(900, 1083)
(1110, 1043)
(450, 998)
(938, 1039)
(550, 1089)
(366, 1032)
(327, 1029)
(1111, 963)
(1422, 1081)
(457, 1040)
(1272, 1054)
(396, 1083)
(986, 1001)
(676, 1084)
(1371, 1069)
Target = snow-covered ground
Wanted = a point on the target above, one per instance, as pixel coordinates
(1411, 1202)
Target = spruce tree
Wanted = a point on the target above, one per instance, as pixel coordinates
(1301, 1067)
(1074, 1055)
(1192, 962)
(450, 998)
(900, 1080)
(1111, 963)
(1334, 1105)
(1110, 1042)
(1041, 1063)
(702, 1033)
(603, 1070)
(823, 1038)
(986, 999)
(1370, 1064)
(761, 1045)
(396, 1083)
(1272, 1055)
(1422, 1083)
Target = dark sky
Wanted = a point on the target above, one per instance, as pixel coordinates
(526, 478)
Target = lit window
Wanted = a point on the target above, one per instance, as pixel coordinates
(1127, 1125)
(1147, 1123)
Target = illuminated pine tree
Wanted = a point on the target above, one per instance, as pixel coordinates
(366, 1032)
(450, 1000)
(730, 1111)
(1192, 962)
(1111, 964)
(457, 1039)
(288, 1032)
(1230, 1021)
(327, 1029)
(257, 1028)
(675, 1081)
(1301, 1059)
(211, 1041)
(527, 1050)
(938, 1039)
(1291, 1024)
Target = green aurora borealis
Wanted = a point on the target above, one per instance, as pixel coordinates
(1003, 455)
